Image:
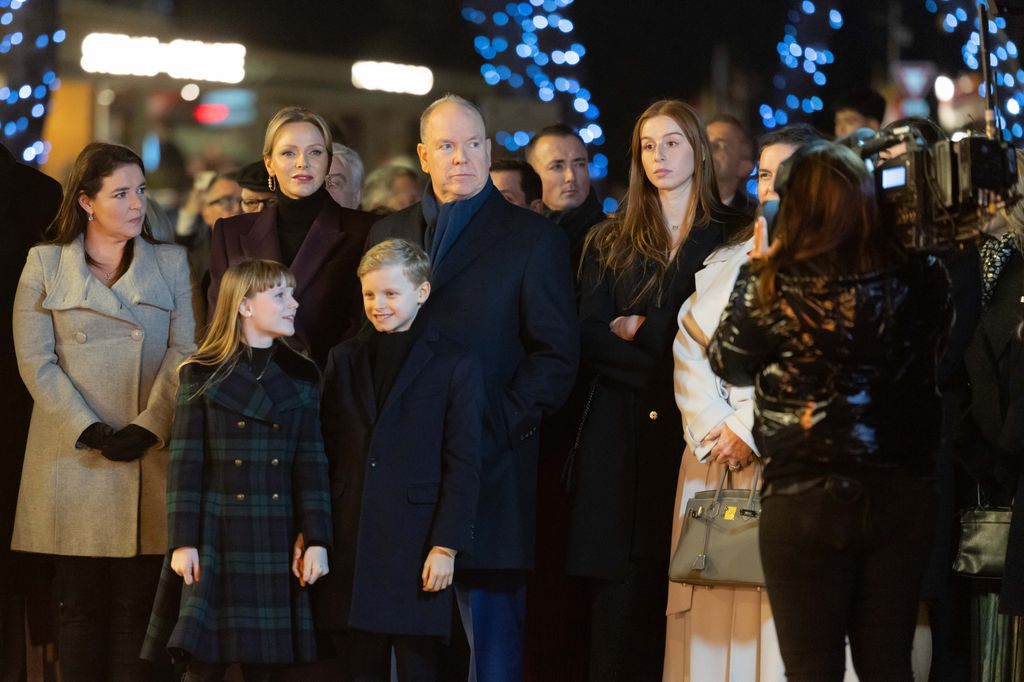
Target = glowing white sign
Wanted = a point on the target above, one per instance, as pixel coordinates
(389, 77)
(143, 56)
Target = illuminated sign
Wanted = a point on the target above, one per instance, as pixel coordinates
(389, 77)
(143, 56)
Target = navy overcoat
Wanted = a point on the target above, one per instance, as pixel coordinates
(505, 291)
(402, 480)
(247, 473)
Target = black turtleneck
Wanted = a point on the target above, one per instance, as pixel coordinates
(294, 218)
(387, 355)
(259, 359)
(577, 222)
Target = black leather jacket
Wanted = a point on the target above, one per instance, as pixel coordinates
(844, 367)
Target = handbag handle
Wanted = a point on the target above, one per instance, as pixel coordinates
(755, 484)
(568, 477)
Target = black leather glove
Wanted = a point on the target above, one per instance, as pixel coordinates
(95, 435)
(128, 444)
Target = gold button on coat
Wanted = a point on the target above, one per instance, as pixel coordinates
(241, 423)
(653, 415)
(275, 462)
(274, 496)
(240, 497)
(238, 462)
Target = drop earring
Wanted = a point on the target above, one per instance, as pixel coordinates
(272, 183)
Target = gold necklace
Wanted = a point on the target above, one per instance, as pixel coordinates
(106, 275)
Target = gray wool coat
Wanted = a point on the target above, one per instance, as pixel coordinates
(89, 353)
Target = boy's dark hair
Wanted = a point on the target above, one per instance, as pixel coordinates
(555, 130)
(796, 135)
(411, 258)
(528, 178)
(867, 102)
(748, 144)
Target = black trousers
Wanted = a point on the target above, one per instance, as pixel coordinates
(103, 611)
(366, 657)
(198, 671)
(627, 624)
(843, 558)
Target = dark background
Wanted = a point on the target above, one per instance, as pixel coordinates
(637, 51)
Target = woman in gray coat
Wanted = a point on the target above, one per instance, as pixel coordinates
(102, 319)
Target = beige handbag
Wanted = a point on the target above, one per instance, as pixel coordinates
(718, 543)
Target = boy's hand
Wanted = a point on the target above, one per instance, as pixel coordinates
(185, 562)
(314, 565)
(438, 569)
(297, 549)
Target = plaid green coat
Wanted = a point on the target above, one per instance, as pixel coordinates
(247, 472)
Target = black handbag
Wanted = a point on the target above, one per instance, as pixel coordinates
(984, 532)
(718, 544)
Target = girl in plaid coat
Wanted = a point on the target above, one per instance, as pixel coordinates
(247, 476)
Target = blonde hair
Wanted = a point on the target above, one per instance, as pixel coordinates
(224, 341)
(296, 115)
(413, 260)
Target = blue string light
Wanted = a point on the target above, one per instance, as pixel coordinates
(961, 17)
(22, 107)
(804, 62)
(529, 44)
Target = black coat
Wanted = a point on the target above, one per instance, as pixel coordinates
(991, 441)
(633, 440)
(402, 481)
(505, 291)
(844, 367)
(28, 204)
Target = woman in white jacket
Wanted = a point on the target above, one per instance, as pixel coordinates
(716, 633)
(720, 633)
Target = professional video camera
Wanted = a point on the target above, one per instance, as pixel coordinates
(934, 191)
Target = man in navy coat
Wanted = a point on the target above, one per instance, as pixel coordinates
(502, 285)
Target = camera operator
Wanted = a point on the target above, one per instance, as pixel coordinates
(839, 329)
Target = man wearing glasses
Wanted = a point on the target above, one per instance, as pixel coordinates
(256, 194)
(345, 177)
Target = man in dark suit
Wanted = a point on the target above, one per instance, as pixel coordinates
(561, 160)
(502, 285)
(27, 206)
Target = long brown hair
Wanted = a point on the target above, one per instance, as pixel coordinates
(96, 162)
(224, 341)
(637, 234)
(828, 219)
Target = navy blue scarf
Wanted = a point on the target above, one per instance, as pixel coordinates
(445, 222)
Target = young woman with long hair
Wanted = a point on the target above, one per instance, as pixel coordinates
(247, 476)
(638, 268)
(840, 329)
